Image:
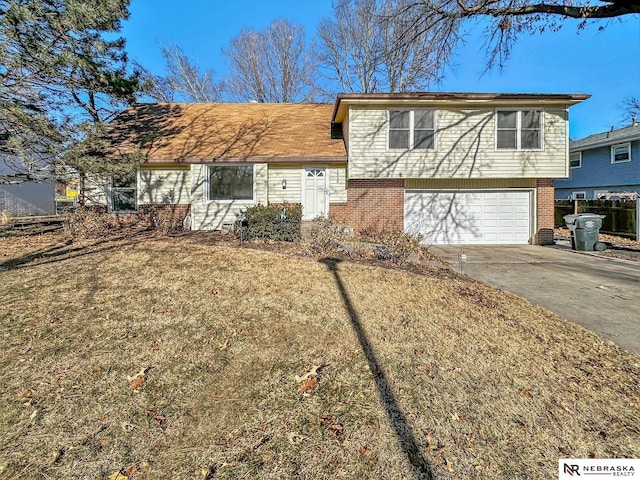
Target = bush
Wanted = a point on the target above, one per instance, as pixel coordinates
(326, 235)
(396, 247)
(266, 222)
(86, 223)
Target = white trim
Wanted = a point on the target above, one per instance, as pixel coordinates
(580, 192)
(205, 183)
(618, 145)
(596, 192)
(579, 160)
(412, 128)
(519, 129)
(110, 188)
(326, 188)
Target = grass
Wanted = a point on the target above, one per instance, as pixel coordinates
(165, 358)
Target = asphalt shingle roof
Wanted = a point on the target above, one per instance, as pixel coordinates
(611, 137)
(201, 132)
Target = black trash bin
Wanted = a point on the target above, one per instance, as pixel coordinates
(585, 230)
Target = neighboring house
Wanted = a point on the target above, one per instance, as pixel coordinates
(604, 165)
(23, 198)
(453, 167)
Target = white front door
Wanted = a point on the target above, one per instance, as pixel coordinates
(314, 193)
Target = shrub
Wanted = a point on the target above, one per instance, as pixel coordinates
(396, 247)
(326, 235)
(88, 222)
(267, 223)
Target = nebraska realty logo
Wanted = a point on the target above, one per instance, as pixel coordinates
(594, 468)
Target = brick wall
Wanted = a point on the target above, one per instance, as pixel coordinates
(153, 215)
(545, 211)
(372, 204)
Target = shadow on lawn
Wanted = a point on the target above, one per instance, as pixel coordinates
(62, 251)
(397, 418)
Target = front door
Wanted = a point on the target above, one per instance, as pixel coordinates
(314, 202)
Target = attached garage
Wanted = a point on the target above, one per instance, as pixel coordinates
(480, 217)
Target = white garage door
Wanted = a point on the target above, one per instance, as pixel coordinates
(478, 217)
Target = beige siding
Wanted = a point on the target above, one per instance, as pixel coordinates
(465, 148)
(96, 189)
(210, 215)
(293, 175)
(164, 185)
(338, 184)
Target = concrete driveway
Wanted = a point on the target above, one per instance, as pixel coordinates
(601, 294)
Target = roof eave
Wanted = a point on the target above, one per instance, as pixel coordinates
(343, 100)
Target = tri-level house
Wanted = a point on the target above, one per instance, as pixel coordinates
(462, 168)
(605, 165)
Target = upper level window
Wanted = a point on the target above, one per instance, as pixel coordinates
(621, 153)
(230, 182)
(412, 129)
(123, 193)
(575, 160)
(519, 129)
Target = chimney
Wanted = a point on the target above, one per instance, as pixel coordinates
(634, 122)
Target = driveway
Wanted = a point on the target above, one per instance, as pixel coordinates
(601, 294)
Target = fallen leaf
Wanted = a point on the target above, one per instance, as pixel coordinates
(312, 372)
(309, 386)
(367, 453)
(141, 373)
(26, 395)
(137, 384)
(117, 476)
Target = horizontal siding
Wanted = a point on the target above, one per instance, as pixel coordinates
(338, 184)
(465, 148)
(210, 215)
(460, 184)
(164, 186)
(293, 175)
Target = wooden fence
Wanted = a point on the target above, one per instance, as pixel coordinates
(621, 217)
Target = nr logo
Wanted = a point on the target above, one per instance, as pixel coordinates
(571, 469)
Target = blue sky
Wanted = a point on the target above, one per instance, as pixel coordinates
(604, 64)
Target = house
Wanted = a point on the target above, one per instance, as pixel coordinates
(453, 167)
(604, 165)
(21, 196)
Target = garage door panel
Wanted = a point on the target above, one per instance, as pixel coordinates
(469, 217)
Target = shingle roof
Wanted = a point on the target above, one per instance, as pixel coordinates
(611, 137)
(201, 132)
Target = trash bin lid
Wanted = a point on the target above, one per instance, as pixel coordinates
(571, 219)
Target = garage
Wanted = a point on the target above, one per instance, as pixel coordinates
(483, 217)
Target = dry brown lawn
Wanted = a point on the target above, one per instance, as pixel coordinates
(174, 358)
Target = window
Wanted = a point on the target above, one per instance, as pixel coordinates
(123, 193)
(412, 129)
(519, 129)
(230, 182)
(575, 160)
(578, 195)
(621, 153)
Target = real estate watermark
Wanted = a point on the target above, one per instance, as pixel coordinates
(595, 468)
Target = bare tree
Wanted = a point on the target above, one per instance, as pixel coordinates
(632, 110)
(273, 65)
(380, 45)
(510, 18)
(184, 82)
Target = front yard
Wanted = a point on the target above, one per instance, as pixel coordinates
(189, 358)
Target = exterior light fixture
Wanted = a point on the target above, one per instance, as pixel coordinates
(284, 183)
